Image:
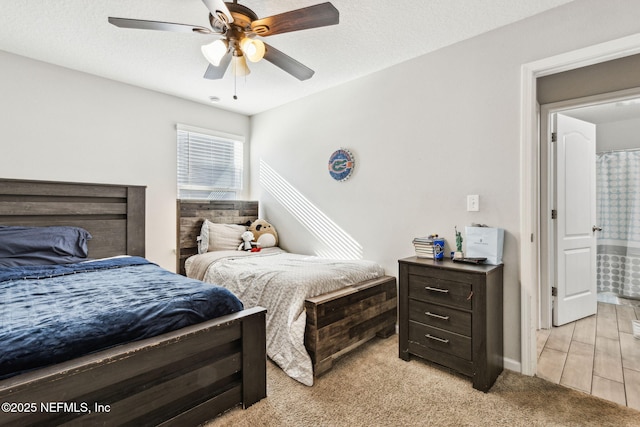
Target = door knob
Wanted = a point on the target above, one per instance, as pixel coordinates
(596, 228)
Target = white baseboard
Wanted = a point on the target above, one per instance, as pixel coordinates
(512, 365)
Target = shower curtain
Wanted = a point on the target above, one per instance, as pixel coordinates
(618, 213)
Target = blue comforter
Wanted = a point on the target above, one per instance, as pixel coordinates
(53, 313)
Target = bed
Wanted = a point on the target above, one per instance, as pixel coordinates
(343, 312)
(182, 377)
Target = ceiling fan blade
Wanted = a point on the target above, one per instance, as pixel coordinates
(219, 10)
(287, 63)
(319, 15)
(141, 24)
(215, 73)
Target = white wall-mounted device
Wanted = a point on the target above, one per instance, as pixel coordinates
(473, 203)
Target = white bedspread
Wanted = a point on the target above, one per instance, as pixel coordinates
(280, 282)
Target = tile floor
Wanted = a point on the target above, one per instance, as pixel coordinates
(597, 355)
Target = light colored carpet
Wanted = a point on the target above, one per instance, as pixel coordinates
(372, 386)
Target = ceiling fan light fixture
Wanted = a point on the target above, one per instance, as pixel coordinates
(214, 52)
(254, 50)
(234, 23)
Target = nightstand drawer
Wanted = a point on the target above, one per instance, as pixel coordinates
(441, 317)
(440, 340)
(440, 291)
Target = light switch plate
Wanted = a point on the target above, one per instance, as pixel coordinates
(473, 203)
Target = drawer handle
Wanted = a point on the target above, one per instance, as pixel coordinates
(431, 337)
(444, 291)
(439, 316)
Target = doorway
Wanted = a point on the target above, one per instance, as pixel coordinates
(616, 117)
(530, 249)
(596, 354)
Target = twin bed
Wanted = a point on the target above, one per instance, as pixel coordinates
(317, 309)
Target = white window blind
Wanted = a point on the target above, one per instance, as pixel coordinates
(209, 167)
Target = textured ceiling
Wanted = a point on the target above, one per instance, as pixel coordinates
(372, 35)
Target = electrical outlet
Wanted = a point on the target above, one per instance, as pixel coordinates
(473, 203)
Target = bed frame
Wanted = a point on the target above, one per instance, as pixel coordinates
(184, 377)
(337, 321)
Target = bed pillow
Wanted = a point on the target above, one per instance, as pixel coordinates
(42, 245)
(220, 237)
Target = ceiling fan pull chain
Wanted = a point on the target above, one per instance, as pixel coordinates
(235, 82)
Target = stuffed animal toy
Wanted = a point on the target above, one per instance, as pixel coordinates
(264, 233)
(247, 238)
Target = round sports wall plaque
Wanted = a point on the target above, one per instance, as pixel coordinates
(341, 164)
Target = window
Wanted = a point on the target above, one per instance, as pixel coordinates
(210, 165)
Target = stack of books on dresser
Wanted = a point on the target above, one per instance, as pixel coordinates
(424, 247)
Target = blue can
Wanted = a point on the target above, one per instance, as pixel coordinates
(438, 248)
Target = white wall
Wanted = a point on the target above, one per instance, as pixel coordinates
(62, 125)
(425, 134)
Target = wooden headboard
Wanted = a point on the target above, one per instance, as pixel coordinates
(113, 214)
(191, 214)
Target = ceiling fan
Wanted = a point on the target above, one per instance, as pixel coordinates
(239, 27)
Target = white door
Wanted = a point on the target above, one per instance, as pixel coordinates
(575, 223)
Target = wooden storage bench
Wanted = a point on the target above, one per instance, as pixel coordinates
(341, 320)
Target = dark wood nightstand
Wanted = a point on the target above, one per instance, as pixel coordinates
(451, 314)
